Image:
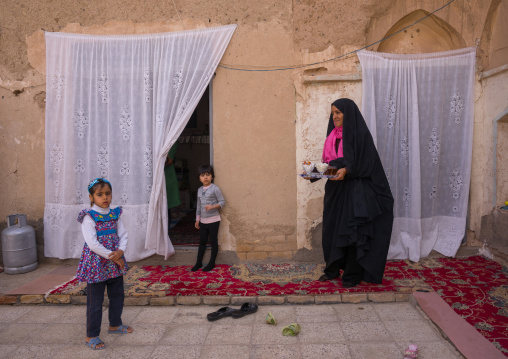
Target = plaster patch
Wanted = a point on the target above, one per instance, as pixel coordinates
(315, 208)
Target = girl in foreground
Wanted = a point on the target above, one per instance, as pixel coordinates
(102, 264)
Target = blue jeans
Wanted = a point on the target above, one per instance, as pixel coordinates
(95, 299)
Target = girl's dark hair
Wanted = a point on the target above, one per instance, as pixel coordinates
(206, 169)
(96, 184)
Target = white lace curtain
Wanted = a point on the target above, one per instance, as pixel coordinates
(114, 107)
(419, 109)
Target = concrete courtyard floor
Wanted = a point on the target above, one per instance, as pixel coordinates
(343, 330)
(359, 331)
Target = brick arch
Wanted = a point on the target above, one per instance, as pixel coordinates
(429, 35)
(494, 42)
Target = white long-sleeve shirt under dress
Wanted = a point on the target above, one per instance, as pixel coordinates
(90, 234)
(103, 232)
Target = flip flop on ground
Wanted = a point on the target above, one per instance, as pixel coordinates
(95, 343)
(221, 313)
(122, 329)
(246, 308)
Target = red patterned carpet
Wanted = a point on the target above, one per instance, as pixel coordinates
(476, 288)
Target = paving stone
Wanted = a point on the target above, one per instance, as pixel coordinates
(411, 330)
(402, 297)
(229, 334)
(216, 300)
(241, 300)
(58, 299)
(177, 351)
(328, 299)
(276, 351)
(316, 314)
(186, 334)
(136, 301)
(365, 332)
(225, 351)
(31, 299)
(320, 351)
(354, 297)
(154, 315)
(78, 299)
(269, 300)
(396, 311)
(283, 314)
(272, 334)
(381, 297)
(321, 333)
(188, 299)
(162, 301)
(192, 314)
(8, 299)
(300, 299)
(375, 350)
(360, 312)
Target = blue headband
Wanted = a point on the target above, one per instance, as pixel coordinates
(95, 181)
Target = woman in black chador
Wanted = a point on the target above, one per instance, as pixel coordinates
(358, 203)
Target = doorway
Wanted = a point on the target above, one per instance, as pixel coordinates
(194, 149)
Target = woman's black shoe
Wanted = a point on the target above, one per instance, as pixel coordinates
(324, 278)
(346, 284)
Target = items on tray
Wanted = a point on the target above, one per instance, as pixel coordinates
(318, 170)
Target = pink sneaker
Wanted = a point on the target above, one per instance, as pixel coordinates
(411, 352)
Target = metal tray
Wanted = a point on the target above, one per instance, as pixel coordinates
(315, 175)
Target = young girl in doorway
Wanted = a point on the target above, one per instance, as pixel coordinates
(210, 201)
(102, 264)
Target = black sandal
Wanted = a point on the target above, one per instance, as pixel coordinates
(346, 284)
(324, 278)
(221, 313)
(246, 308)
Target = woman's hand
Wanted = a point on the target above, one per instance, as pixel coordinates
(341, 173)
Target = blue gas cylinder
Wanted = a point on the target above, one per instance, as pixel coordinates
(19, 251)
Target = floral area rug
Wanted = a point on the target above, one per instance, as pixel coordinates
(476, 288)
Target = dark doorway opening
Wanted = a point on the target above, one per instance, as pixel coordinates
(194, 149)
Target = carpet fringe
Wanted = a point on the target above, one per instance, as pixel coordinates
(57, 287)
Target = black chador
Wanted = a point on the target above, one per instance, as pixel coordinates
(358, 211)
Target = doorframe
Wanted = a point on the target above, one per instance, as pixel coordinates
(210, 117)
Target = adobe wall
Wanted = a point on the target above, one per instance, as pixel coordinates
(265, 123)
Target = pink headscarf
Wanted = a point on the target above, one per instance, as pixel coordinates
(329, 152)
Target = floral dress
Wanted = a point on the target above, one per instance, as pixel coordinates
(93, 268)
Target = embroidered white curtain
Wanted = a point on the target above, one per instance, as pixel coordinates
(419, 109)
(114, 107)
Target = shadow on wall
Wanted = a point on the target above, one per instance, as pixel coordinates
(314, 255)
(493, 231)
